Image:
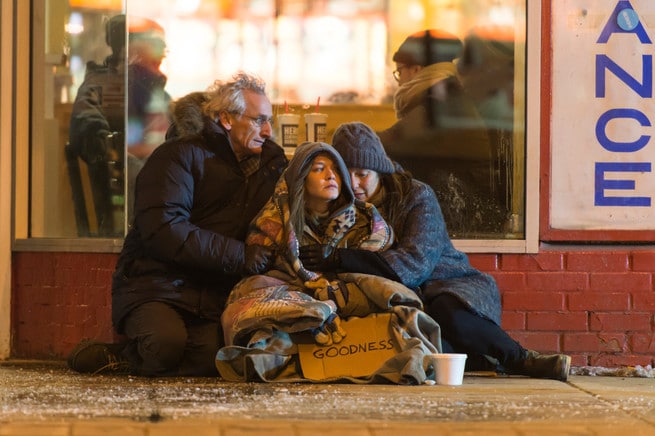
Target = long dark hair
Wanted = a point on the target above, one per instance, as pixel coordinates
(397, 187)
(297, 201)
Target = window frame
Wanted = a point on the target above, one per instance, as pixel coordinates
(22, 67)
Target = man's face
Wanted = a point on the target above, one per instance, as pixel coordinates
(365, 183)
(405, 73)
(245, 132)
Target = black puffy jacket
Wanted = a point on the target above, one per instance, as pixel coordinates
(193, 205)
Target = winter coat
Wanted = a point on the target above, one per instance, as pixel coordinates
(98, 110)
(147, 105)
(193, 205)
(99, 107)
(442, 139)
(436, 118)
(423, 257)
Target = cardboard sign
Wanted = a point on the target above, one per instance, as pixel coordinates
(367, 345)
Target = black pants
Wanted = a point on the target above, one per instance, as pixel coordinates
(463, 331)
(165, 341)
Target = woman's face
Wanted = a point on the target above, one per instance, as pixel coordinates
(322, 184)
(365, 183)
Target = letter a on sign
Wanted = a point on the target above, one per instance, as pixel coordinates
(624, 19)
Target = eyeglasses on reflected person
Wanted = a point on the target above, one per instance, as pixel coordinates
(396, 72)
(260, 120)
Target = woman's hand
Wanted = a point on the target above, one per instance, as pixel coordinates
(319, 257)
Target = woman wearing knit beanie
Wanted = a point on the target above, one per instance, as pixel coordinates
(439, 134)
(465, 302)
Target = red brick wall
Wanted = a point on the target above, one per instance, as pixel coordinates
(596, 305)
(57, 299)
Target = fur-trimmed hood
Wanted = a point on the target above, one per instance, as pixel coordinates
(187, 115)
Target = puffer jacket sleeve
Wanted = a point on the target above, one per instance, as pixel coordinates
(163, 205)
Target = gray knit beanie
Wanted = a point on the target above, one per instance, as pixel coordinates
(360, 147)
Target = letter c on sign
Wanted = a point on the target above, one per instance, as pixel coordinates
(621, 147)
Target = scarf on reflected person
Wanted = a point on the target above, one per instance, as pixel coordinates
(412, 93)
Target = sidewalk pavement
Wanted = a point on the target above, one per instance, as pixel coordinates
(45, 398)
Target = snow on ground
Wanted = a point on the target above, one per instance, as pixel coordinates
(628, 371)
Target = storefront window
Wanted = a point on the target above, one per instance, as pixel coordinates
(105, 72)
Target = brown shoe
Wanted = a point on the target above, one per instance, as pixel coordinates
(536, 365)
(96, 357)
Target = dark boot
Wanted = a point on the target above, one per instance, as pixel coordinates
(536, 365)
(96, 357)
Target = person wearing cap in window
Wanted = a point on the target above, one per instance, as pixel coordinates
(439, 135)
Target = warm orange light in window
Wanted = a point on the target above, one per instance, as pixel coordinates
(113, 5)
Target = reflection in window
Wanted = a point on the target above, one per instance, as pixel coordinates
(337, 52)
(303, 50)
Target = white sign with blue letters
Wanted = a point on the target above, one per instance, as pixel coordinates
(602, 147)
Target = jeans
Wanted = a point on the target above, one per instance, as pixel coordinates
(463, 331)
(167, 341)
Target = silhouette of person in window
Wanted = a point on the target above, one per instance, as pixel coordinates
(97, 128)
(148, 115)
(96, 134)
(439, 134)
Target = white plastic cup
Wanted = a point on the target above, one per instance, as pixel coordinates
(288, 130)
(316, 127)
(449, 368)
